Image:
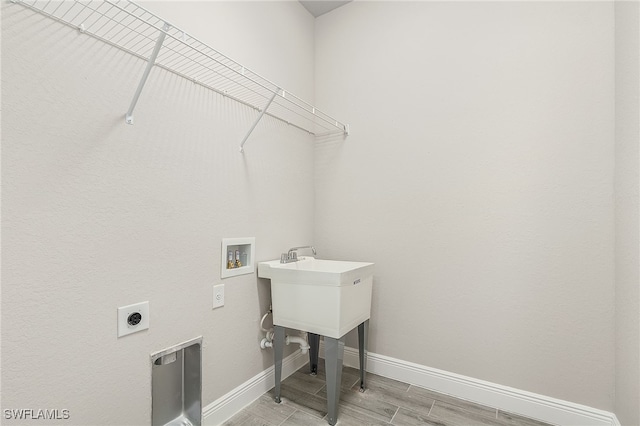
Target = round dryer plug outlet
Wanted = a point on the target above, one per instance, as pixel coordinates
(133, 318)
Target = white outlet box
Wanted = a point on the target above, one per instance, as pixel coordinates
(218, 296)
(133, 318)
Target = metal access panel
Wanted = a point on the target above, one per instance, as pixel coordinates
(176, 385)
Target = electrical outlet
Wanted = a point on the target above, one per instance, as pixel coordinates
(133, 318)
(218, 296)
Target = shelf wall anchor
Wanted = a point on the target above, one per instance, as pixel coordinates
(264, 110)
(147, 70)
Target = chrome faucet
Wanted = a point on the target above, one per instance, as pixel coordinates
(292, 254)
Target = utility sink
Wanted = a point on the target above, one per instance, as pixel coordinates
(325, 297)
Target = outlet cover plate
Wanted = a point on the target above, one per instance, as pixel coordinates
(133, 318)
(218, 296)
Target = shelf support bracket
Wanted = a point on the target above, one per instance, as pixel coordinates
(147, 70)
(264, 110)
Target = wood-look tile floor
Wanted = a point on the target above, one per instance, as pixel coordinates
(385, 402)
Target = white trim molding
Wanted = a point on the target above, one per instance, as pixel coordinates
(225, 407)
(516, 401)
(511, 400)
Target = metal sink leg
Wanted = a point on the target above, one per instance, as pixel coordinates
(363, 337)
(314, 346)
(334, 354)
(278, 349)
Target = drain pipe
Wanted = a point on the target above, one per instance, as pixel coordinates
(267, 340)
(302, 341)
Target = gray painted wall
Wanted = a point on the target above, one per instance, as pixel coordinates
(627, 212)
(97, 214)
(479, 178)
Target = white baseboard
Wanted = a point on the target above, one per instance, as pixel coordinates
(540, 407)
(226, 406)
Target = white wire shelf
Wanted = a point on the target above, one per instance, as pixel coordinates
(132, 28)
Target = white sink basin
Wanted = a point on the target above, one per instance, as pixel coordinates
(326, 297)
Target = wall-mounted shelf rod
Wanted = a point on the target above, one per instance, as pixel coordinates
(147, 71)
(257, 121)
(134, 29)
